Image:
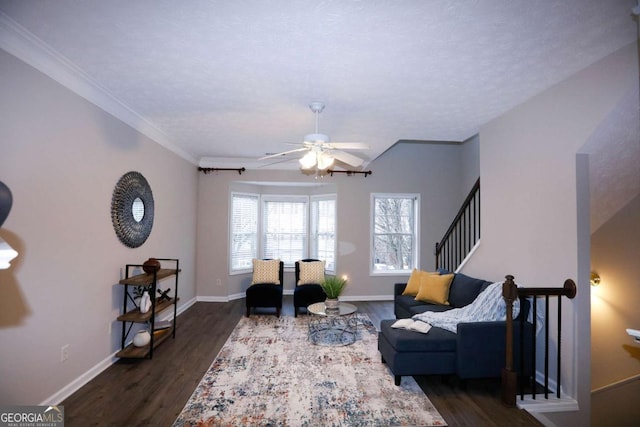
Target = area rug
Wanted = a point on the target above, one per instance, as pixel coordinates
(269, 374)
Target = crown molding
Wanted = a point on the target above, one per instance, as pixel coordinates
(19, 42)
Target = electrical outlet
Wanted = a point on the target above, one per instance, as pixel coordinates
(219, 282)
(110, 323)
(64, 353)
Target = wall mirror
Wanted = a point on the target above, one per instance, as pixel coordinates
(132, 209)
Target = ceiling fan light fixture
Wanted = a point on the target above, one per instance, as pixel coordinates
(308, 160)
(324, 161)
(321, 153)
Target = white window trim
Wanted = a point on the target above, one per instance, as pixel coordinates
(262, 197)
(233, 272)
(283, 198)
(321, 197)
(416, 242)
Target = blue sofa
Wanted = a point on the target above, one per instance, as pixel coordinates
(477, 350)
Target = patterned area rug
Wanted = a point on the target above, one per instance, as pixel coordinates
(269, 374)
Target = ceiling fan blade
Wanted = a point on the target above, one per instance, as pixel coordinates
(276, 162)
(305, 143)
(284, 153)
(347, 158)
(348, 145)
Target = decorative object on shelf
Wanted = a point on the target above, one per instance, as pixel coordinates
(7, 253)
(139, 290)
(142, 338)
(164, 295)
(145, 302)
(333, 287)
(151, 266)
(140, 305)
(132, 209)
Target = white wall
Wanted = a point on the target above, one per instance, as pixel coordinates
(62, 156)
(433, 170)
(532, 200)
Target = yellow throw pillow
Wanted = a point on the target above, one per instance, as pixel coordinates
(266, 271)
(311, 272)
(413, 284)
(435, 288)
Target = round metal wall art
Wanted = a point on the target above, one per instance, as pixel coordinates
(132, 209)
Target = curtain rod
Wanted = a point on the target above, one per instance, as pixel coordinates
(349, 173)
(207, 170)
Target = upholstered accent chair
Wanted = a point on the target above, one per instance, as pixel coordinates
(266, 287)
(309, 273)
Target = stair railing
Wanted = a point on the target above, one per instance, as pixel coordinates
(462, 234)
(510, 291)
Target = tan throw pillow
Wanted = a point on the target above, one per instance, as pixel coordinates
(435, 288)
(413, 284)
(266, 271)
(311, 272)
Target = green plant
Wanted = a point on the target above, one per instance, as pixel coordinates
(139, 290)
(333, 286)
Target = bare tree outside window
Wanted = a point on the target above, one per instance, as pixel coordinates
(394, 233)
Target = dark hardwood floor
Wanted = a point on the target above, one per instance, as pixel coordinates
(153, 392)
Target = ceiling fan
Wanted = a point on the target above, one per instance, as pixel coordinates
(321, 153)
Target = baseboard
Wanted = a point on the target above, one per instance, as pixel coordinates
(213, 299)
(181, 309)
(616, 384)
(97, 369)
(228, 298)
(79, 382)
(553, 404)
(468, 257)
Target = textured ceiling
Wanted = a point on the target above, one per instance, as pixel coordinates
(614, 160)
(232, 79)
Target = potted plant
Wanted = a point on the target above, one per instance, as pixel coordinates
(333, 287)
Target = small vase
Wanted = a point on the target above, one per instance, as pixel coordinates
(331, 303)
(145, 302)
(151, 266)
(142, 338)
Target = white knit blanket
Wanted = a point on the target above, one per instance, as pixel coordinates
(487, 307)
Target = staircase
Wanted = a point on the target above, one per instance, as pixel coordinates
(463, 234)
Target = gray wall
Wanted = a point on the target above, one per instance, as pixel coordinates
(433, 170)
(62, 156)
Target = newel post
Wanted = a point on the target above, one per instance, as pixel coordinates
(509, 377)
